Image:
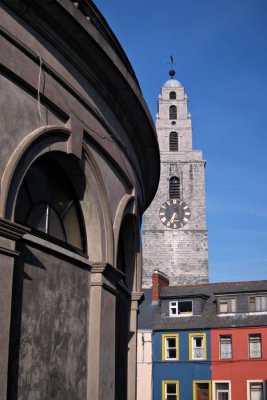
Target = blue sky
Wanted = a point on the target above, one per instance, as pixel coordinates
(220, 51)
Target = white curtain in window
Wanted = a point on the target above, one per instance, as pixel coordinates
(222, 391)
(255, 346)
(256, 391)
(261, 303)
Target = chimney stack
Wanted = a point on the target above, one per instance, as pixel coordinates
(159, 281)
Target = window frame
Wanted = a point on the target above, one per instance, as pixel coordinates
(250, 335)
(214, 393)
(179, 314)
(164, 387)
(172, 95)
(195, 382)
(255, 297)
(220, 347)
(228, 301)
(255, 381)
(47, 166)
(191, 348)
(164, 348)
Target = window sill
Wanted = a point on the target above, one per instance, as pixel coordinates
(53, 247)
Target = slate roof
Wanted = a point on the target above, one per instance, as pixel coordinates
(146, 311)
(216, 288)
(209, 317)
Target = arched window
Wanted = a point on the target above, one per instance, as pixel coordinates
(174, 188)
(47, 202)
(173, 141)
(173, 112)
(172, 95)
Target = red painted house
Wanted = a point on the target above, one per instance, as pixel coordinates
(239, 343)
(239, 358)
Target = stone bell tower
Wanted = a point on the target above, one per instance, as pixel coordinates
(175, 233)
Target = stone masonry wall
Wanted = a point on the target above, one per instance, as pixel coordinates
(181, 254)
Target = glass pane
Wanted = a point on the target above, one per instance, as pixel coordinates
(38, 217)
(222, 396)
(202, 391)
(222, 386)
(171, 342)
(256, 391)
(185, 306)
(72, 227)
(198, 341)
(261, 303)
(255, 346)
(37, 183)
(55, 227)
(173, 308)
(223, 306)
(232, 305)
(226, 347)
(171, 353)
(60, 195)
(198, 353)
(23, 205)
(171, 388)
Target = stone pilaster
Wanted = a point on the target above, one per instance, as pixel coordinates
(132, 354)
(9, 234)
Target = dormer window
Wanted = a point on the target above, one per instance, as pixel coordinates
(258, 303)
(181, 308)
(227, 305)
(172, 95)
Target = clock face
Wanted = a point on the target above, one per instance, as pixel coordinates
(174, 213)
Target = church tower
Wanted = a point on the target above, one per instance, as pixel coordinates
(175, 233)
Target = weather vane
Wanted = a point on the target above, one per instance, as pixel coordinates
(172, 71)
(172, 62)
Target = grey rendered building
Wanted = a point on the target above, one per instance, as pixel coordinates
(79, 165)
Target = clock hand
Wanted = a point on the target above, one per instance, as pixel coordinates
(174, 217)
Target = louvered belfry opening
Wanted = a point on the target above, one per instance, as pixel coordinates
(174, 188)
(173, 112)
(173, 141)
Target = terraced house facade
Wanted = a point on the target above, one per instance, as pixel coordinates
(209, 341)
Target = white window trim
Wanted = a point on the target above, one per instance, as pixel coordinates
(200, 348)
(256, 381)
(177, 309)
(214, 388)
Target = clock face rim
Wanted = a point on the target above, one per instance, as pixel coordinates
(169, 210)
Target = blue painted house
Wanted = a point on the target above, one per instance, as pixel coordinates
(181, 365)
